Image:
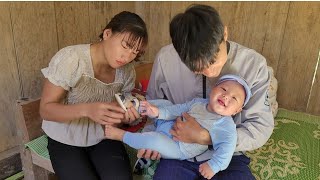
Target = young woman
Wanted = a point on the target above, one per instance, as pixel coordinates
(78, 100)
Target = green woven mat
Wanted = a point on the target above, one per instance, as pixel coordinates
(39, 146)
(292, 152)
(17, 176)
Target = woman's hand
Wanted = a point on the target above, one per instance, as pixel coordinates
(190, 131)
(148, 154)
(131, 115)
(104, 113)
(148, 109)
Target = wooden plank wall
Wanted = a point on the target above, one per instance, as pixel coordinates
(9, 81)
(286, 33)
(299, 56)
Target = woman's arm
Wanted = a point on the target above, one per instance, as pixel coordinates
(53, 109)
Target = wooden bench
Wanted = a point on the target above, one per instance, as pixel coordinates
(29, 125)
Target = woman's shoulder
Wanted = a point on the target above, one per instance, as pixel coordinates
(73, 55)
(74, 49)
(70, 60)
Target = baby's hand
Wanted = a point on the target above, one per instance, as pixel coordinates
(148, 109)
(206, 171)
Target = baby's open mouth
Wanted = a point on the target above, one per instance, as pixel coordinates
(221, 102)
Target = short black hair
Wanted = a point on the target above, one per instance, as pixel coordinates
(128, 22)
(196, 35)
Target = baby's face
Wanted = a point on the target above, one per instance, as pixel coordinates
(227, 98)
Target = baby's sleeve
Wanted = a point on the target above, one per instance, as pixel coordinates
(64, 69)
(224, 139)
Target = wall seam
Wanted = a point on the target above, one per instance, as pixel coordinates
(55, 17)
(284, 32)
(21, 89)
(313, 80)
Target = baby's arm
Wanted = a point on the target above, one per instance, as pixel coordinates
(176, 110)
(166, 112)
(224, 139)
(148, 109)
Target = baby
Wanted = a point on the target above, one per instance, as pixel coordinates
(226, 98)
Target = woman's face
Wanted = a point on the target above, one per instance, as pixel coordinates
(118, 49)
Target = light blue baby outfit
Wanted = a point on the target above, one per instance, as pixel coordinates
(222, 130)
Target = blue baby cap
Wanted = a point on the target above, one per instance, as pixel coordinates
(232, 77)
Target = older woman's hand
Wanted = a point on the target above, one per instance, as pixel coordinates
(190, 131)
